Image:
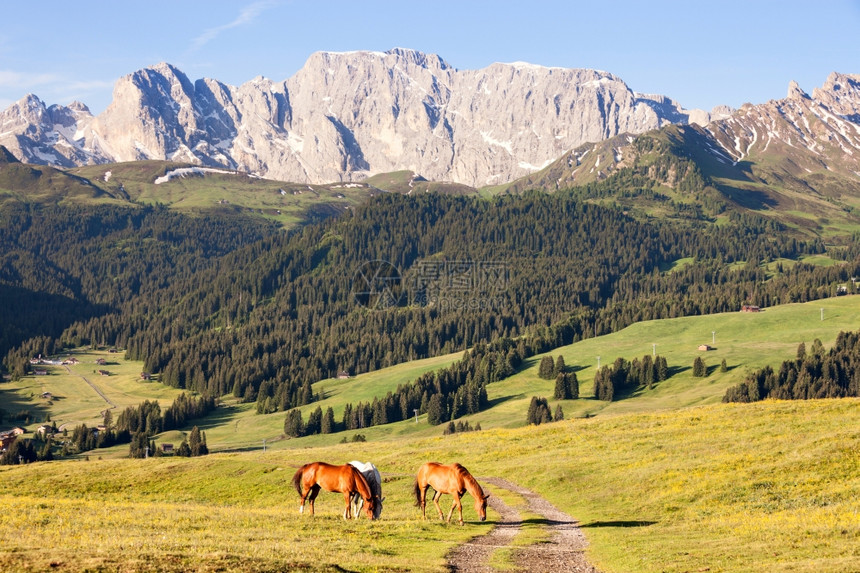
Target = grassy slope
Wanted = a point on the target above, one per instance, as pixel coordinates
(408, 182)
(75, 401)
(283, 202)
(658, 485)
(745, 341)
(758, 488)
(133, 183)
(813, 201)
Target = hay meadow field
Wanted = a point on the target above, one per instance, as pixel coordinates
(669, 479)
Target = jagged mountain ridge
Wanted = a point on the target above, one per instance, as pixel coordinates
(798, 157)
(345, 116)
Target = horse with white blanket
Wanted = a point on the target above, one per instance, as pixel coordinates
(374, 480)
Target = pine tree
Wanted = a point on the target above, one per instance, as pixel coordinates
(817, 347)
(559, 414)
(801, 351)
(649, 372)
(562, 390)
(45, 454)
(531, 414)
(662, 368)
(573, 384)
(547, 368)
(293, 424)
(194, 441)
(314, 424)
(538, 412)
(604, 389)
(559, 365)
(435, 415)
(723, 366)
(699, 369)
(347, 417)
(184, 450)
(327, 425)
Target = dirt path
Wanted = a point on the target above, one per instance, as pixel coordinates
(562, 552)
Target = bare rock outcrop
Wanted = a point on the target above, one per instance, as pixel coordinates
(344, 116)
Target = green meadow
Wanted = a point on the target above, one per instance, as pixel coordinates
(760, 487)
(666, 479)
(287, 204)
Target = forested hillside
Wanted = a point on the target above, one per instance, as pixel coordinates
(227, 305)
(817, 374)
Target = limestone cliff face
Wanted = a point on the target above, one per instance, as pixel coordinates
(345, 116)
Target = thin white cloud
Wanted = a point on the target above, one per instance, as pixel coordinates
(247, 15)
(26, 81)
(51, 87)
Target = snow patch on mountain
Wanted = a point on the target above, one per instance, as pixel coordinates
(186, 171)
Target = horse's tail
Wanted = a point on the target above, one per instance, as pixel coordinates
(297, 479)
(417, 491)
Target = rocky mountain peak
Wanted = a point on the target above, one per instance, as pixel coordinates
(795, 93)
(841, 93)
(347, 115)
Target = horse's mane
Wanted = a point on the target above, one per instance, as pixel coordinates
(361, 482)
(373, 483)
(371, 475)
(471, 483)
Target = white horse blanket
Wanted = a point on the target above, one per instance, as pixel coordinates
(374, 480)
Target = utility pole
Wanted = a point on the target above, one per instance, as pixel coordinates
(416, 415)
(713, 337)
(264, 445)
(598, 362)
(653, 350)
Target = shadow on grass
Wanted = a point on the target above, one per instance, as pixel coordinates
(502, 399)
(219, 416)
(15, 410)
(573, 523)
(672, 370)
(631, 523)
(546, 521)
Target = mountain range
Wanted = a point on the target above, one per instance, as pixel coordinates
(345, 116)
(349, 117)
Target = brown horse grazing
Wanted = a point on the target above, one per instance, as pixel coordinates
(344, 479)
(453, 479)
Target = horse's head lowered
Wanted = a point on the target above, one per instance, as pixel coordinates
(377, 506)
(481, 506)
(369, 506)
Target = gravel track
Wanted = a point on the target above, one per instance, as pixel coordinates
(563, 551)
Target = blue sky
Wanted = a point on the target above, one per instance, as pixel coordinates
(699, 53)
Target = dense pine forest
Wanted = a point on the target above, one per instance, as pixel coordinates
(221, 305)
